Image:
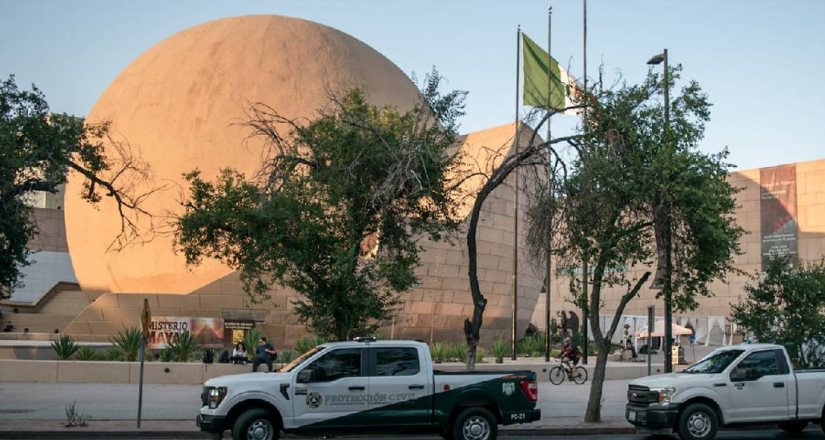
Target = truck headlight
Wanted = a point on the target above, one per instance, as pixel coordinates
(665, 394)
(215, 396)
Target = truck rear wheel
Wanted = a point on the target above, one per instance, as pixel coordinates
(475, 424)
(255, 424)
(698, 422)
(794, 427)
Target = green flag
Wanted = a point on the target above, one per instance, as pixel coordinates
(535, 77)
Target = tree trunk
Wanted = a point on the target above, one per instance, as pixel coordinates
(594, 405)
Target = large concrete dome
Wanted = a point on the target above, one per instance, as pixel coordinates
(180, 104)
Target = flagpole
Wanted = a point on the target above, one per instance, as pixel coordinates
(514, 329)
(585, 275)
(548, 263)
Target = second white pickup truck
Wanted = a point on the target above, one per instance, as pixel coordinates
(737, 385)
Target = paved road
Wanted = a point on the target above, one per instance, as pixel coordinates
(47, 401)
(812, 433)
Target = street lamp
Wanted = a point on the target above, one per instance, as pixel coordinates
(667, 233)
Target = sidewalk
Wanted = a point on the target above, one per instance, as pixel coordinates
(37, 410)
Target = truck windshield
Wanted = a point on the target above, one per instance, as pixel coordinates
(715, 363)
(298, 360)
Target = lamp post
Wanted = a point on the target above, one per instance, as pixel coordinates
(666, 223)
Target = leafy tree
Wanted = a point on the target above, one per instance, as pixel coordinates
(787, 307)
(38, 149)
(337, 209)
(604, 210)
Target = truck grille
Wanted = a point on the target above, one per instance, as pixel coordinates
(205, 397)
(639, 395)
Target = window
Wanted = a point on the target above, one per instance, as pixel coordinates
(396, 362)
(714, 363)
(762, 363)
(336, 365)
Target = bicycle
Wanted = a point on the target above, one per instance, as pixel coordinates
(577, 375)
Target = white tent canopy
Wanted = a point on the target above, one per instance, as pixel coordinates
(659, 330)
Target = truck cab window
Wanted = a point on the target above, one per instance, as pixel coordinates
(396, 362)
(335, 365)
(762, 363)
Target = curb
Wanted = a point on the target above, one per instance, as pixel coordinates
(133, 434)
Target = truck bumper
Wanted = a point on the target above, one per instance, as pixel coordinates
(653, 418)
(210, 424)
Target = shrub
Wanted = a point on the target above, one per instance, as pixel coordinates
(529, 346)
(250, 341)
(499, 350)
(128, 342)
(113, 354)
(65, 347)
(286, 356)
(479, 355)
(458, 352)
(86, 353)
(183, 348)
(166, 355)
(306, 343)
(439, 352)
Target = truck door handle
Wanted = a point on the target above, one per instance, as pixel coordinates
(416, 387)
(779, 384)
(357, 388)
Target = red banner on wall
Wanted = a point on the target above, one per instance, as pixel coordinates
(207, 332)
(778, 212)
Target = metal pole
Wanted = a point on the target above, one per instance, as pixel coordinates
(584, 119)
(514, 330)
(140, 386)
(651, 316)
(549, 261)
(668, 293)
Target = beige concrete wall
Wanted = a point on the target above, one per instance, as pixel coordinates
(811, 233)
(51, 234)
(113, 372)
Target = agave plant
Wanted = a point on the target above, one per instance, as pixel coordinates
(128, 342)
(166, 355)
(498, 350)
(250, 340)
(183, 347)
(286, 356)
(65, 347)
(458, 352)
(113, 354)
(528, 346)
(86, 353)
(439, 352)
(479, 355)
(306, 343)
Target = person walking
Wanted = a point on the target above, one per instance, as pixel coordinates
(264, 353)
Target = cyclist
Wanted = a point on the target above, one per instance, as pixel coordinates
(570, 354)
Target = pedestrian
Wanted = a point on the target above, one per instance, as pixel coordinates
(239, 354)
(264, 353)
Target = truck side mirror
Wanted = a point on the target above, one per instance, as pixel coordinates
(305, 375)
(738, 375)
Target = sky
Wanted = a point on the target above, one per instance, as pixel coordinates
(759, 61)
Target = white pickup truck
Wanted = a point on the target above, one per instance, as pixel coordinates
(368, 386)
(737, 385)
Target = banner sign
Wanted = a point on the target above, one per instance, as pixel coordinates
(207, 332)
(238, 325)
(777, 208)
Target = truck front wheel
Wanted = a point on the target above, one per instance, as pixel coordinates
(255, 424)
(475, 424)
(698, 422)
